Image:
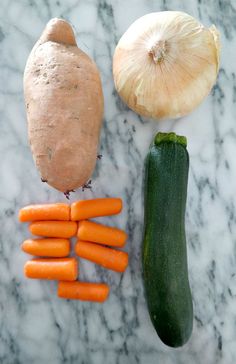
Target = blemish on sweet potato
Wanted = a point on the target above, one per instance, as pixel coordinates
(49, 153)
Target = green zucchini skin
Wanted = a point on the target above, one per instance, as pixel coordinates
(164, 255)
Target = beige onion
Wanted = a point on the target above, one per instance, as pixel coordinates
(165, 64)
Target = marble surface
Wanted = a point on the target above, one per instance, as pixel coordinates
(37, 327)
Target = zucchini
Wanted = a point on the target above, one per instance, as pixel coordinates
(164, 254)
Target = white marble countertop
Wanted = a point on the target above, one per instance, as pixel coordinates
(36, 326)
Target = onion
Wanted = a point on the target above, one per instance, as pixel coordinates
(165, 64)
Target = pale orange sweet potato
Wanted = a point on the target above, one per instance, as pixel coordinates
(64, 103)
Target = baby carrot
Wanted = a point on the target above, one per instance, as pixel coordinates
(50, 247)
(60, 269)
(85, 209)
(54, 229)
(56, 211)
(96, 292)
(108, 258)
(101, 234)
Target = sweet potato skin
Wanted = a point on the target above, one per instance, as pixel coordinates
(64, 103)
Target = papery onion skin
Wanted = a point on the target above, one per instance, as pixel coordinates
(165, 64)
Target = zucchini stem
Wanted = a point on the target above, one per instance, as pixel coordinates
(170, 138)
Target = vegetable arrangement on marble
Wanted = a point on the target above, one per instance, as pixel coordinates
(164, 65)
(54, 245)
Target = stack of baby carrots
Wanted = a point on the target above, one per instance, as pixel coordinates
(56, 223)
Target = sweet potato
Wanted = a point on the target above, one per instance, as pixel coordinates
(64, 103)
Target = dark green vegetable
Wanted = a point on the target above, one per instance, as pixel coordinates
(164, 247)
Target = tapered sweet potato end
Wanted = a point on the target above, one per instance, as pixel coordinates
(59, 31)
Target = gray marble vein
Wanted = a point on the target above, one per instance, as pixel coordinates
(35, 326)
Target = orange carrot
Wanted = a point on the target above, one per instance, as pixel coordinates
(85, 209)
(65, 269)
(107, 257)
(56, 211)
(101, 234)
(51, 247)
(54, 229)
(96, 292)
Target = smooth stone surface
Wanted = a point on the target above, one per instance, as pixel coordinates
(36, 326)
